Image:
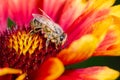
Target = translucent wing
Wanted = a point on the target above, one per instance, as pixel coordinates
(44, 20)
(57, 27)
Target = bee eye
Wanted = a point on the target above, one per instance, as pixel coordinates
(62, 37)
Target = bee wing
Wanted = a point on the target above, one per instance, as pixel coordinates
(57, 27)
(39, 18)
(44, 20)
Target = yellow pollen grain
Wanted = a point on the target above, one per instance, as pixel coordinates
(34, 45)
(22, 42)
(15, 43)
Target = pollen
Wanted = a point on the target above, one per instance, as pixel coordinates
(22, 42)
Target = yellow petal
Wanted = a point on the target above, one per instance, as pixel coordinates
(5, 71)
(106, 73)
(79, 50)
(90, 73)
(50, 69)
(110, 46)
(101, 4)
(115, 10)
(100, 28)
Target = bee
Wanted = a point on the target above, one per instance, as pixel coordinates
(46, 26)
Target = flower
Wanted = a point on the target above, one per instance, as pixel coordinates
(92, 27)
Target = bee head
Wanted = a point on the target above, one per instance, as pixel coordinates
(63, 38)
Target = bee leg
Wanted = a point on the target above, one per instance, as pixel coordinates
(47, 43)
(57, 44)
(48, 40)
(31, 32)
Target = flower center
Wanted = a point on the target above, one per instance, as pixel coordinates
(24, 43)
(21, 50)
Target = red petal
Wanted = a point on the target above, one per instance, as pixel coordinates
(71, 11)
(21, 10)
(91, 73)
(83, 25)
(3, 15)
(52, 8)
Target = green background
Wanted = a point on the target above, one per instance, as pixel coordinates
(117, 2)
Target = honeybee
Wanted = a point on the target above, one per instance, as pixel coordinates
(51, 31)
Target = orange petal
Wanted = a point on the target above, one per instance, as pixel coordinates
(79, 50)
(111, 44)
(91, 73)
(3, 15)
(50, 69)
(53, 7)
(21, 11)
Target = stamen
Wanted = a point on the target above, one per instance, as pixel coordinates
(24, 43)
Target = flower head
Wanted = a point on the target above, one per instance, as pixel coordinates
(92, 28)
